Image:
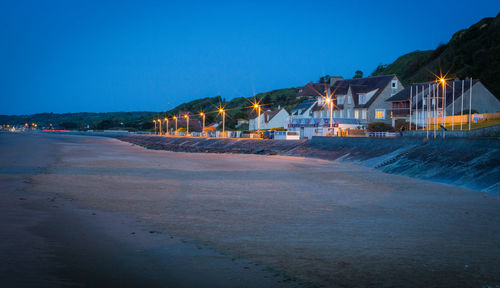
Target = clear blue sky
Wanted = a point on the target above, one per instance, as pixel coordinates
(100, 56)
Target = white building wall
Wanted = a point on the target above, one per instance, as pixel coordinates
(279, 120)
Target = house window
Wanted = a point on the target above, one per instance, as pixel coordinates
(362, 99)
(348, 113)
(356, 114)
(340, 100)
(349, 100)
(394, 84)
(363, 113)
(335, 114)
(380, 114)
(341, 113)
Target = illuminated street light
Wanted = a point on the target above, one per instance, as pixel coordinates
(154, 121)
(175, 118)
(329, 101)
(159, 122)
(223, 112)
(257, 106)
(166, 122)
(187, 125)
(203, 127)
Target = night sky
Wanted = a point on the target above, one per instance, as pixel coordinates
(103, 56)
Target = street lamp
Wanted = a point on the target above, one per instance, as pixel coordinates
(257, 106)
(159, 122)
(203, 127)
(223, 112)
(443, 101)
(154, 121)
(330, 106)
(187, 125)
(166, 122)
(175, 118)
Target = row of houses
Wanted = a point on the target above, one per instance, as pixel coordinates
(372, 99)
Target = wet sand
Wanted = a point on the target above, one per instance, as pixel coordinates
(221, 220)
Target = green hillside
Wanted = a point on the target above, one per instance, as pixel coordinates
(473, 52)
(236, 108)
(109, 120)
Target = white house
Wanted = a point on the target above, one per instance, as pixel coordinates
(270, 119)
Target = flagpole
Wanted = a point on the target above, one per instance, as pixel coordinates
(436, 90)
(453, 108)
(423, 108)
(462, 110)
(427, 114)
(470, 103)
(411, 102)
(444, 104)
(416, 108)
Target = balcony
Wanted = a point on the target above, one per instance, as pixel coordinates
(399, 112)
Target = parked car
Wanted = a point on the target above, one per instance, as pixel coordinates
(269, 134)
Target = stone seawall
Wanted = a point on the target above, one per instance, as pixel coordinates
(214, 145)
(470, 162)
(492, 131)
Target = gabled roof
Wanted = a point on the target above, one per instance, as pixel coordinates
(303, 106)
(341, 88)
(362, 85)
(269, 115)
(312, 89)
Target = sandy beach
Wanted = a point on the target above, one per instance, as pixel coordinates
(91, 211)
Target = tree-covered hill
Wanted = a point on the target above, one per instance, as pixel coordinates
(237, 108)
(109, 120)
(472, 52)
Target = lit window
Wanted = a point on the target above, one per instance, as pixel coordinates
(363, 112)
(380, 114)
(356, 114)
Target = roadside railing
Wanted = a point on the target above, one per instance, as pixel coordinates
(382, 134)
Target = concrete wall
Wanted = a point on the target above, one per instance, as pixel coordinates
(492, 131)
(470, 162)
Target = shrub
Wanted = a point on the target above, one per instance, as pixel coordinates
(379, 127)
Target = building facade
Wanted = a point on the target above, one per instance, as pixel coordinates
(363, 99)
(278, 118)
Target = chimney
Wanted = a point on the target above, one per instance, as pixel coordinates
(334, 79)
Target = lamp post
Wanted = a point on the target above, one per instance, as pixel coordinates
(223, 112)
(154, 121)
(166, 130)
(203, 127)
(187, 125)
(443, 101)
(257, 106)
(175, 118)
(330, 106)
(159, 122)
